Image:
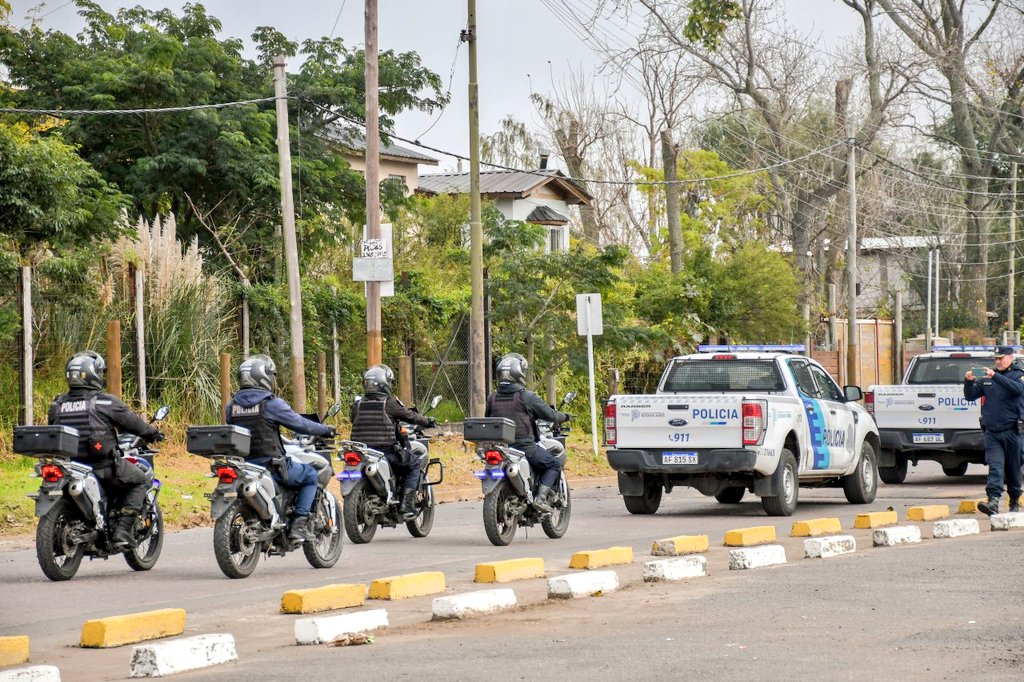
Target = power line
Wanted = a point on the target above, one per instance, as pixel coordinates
(123, 112)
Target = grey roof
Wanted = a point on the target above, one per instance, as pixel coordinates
(504, 183)
(545, 215)
(353, 139)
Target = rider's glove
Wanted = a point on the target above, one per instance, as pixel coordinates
(157, 437)
(333, 433)
(431, 422)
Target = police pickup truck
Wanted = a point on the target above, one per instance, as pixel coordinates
(729, 419)
(927, 417)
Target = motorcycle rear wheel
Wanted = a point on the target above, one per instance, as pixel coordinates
(325, 548)
(556, 523)
(420, 526)
(144, 556)
(499, 521)
(360, 523)
(58, 559)
(233, 545)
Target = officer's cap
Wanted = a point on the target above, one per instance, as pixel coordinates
(1003, 350)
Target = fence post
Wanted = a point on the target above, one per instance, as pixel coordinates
(25, 343)
(114, 357)
(613, 381)
(140, 338)
(225, 382)
(321, 384)
(405, 379)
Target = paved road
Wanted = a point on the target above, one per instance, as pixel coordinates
(187, 577)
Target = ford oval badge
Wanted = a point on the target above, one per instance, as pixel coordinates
(926, 408)
(678, 422)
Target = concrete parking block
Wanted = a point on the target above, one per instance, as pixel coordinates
(954, 528)
(587, 584)
(179, 655)
(928, 512)
(13, 650)
(748, 537)
(680, 545)
(1007, 521)
(829, 546)
(32, 673)
(876, 519)
(680, 568)
(326, 598)
(458, 606)
(815, 527)
(409, 585)
(597, 558)
(101, 633)
(756, 557)
(969, 506)
(509, 570)
(328, 628)
(897, 535)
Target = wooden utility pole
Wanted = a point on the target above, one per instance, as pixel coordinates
(897, 337)
(476, 233)
(225, 383)
(291, 248)
(25, 341)
(851, 254)
(114, 357)
(140, 338)
(373, 324)
(1013, 249)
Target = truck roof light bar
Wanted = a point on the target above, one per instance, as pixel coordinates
(989, 349)
(755, 348)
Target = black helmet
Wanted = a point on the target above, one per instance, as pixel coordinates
(258, 371)
(85, 370)
(512, 367)
(378, 379)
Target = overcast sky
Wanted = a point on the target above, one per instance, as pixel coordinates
(522, 44)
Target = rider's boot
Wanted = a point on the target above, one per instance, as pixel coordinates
(408, 508)
(542, 501)
(123, 537)
(299, 532)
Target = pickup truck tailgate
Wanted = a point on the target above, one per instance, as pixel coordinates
(939, 406)
(685, 422)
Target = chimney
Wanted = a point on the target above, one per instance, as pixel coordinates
(544, 153)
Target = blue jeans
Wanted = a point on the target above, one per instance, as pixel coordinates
(542, 461)
(299, 476)
(1002, 454)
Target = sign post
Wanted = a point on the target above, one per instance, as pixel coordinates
(589, 323)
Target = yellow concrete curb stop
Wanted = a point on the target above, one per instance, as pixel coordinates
(509, 570)
(102, 633)
(875, 519)
(13, 650)
(968, 506)
(928, 512)
(596, 558)
(747, 537)
(815, 527)
(326, 598)
(406, 586)
(680, 545)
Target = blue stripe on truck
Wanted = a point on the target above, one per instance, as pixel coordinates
(816, 427)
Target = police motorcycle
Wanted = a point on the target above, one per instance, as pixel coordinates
(370, 487)
(250, 510)
(508, 481)
(75, 514)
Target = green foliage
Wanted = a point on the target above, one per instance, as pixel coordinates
(708, 20)
(755, 294)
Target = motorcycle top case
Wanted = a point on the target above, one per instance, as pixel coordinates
(46, 440)
(224, 439)
(499, 429)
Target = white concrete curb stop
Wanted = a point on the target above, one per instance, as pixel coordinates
(33, 673)
(829, 546)
(584, 584)
(329, 628)
(954, 528)
(1007, 521)
(178, 655)
(471, 603)
(679, 568)
(896, 535)
(756, 557)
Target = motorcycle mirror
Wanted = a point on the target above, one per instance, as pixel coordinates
(161, 413)
(435, 401)
(333, 410)
(569, 397)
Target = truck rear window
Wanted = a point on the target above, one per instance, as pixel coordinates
(723, 375)
(944, 370)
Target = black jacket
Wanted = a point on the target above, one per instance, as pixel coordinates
(1003, 394)
(99, 417)
(531, 408)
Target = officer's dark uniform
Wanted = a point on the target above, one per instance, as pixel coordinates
(999, 418)
(375, 422)
(99, 416)
(524, 407)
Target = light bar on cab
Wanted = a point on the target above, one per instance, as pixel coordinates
(753, 348)
(989, 349)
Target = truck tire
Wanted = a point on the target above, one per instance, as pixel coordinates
(647, 503)
(860, 486)
(786, 486)
(894, 474)
(957, 470)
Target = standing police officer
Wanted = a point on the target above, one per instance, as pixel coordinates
(256, 408)
(375, 422)
(98, 416)
(1003, 390)
(524, 407)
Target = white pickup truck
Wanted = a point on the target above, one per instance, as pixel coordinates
(729, 419)
(927, 417)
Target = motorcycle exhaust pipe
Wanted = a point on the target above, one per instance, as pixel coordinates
(376, 477)
(76, 488)
(518, 484)
(249, 489)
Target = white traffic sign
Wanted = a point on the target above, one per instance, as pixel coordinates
(588, 315)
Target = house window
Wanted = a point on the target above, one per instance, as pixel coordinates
(556, 239)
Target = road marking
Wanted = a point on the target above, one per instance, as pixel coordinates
(876, 519)
(102, 633)
(326, 598)
(679, 568)
(829, 546)
(179, 655)
(406, 586)
(815, 527)
(747, 537)
(928, 512)
(898, 535)
(597, 558)
(329, 628)
(587, 584)
(756, 557)
(509, 570)
(679, 545)
(13, 650)
(458, 606)
(955, 528)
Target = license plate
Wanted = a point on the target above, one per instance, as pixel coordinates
(929, 438)
(679, 458)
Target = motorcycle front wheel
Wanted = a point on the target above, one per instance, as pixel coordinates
(58, 556)
(234, 540)
(500, 521)
(556, 523)
(325, 548)
(360, 521)
(420, 526)
(143, 556)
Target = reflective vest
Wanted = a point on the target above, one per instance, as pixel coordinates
(265, 436)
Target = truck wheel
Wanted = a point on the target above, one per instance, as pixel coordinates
(647, 503)
(958, 470)
(786, 486)
(894, 474)
(860, 486)
(730, 495)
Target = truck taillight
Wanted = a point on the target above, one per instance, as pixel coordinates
(869, 402)
(754, 422)
(610, 432)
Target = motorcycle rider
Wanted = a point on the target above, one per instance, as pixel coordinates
(256, 408)
(524, 407)
(99, 416)
(375, 422)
